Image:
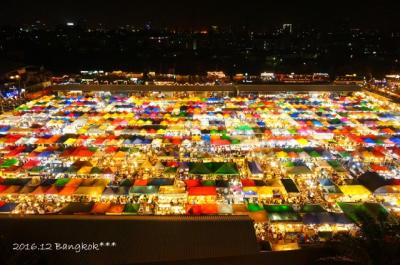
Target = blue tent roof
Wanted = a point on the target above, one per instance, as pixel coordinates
(255, 168)
(147, 141)
(8, 207)
(160, 182)
(127, 141)
(317, 123)
(395, 140)
(45, 154)
(250, 192)
(326, 182)
(214, 99)
(325, 218)
(387, 116)
(261, 123)
(206, 137)
(137, 141)
(369, 141)
(4, 128)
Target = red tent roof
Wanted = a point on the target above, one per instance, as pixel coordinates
(31, 164)
(52, 190)
(209, 209)
(192, 183)
(248, 182)
(220, 142)
(3, 187)
(202, 191)
(376, 167)
(112, 149)
(140, 182)
(82, 151)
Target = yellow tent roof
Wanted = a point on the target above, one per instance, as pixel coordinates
(250, 188)
(84, 170)
(70, 141)
(171, 189)
(94, 191)
(101, 182)
(302, 141)
(146, 165)
(82, 130)
(196, 138)
(281, 154)
(267, 190)
(354, 190)
(39, 149)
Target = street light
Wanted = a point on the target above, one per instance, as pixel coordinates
(18, 77)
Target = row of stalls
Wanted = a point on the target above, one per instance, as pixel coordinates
(266, 156)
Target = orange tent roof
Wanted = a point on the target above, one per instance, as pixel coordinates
(116, 208)
(67, 190)
(40, 190)
(75, 182)
(52, 190)
(100, 207)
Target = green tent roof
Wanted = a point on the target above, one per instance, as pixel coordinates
(254, 207)
(289, 164)
(356, 211)
(284, 217)
(235, 141)
(200, 169)
(72, 169)
(170, 170)
(213, 131)
(278, 208)
(9, 163)
(344, 154)
(376, 210)
(336, 165)
(37, 169)
(312, 208)
(225, 137)
(217, 168)
(77, 207)
(244, 128)
(227, 169)
(299, 170)
(289, 185)
(92, 149)
(22, 107)
(126, 183)
(143, 189)
(95, 170)
(61, 182)
(131, 208)
(314, 154)
(208, 183)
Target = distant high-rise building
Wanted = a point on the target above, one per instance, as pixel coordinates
(287, 28)
(147, 25)
(194, 44)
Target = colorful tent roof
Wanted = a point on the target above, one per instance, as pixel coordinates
(202, 191)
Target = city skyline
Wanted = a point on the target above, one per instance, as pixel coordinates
(253, 14)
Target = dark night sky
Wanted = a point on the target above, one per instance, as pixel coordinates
(257, 14)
